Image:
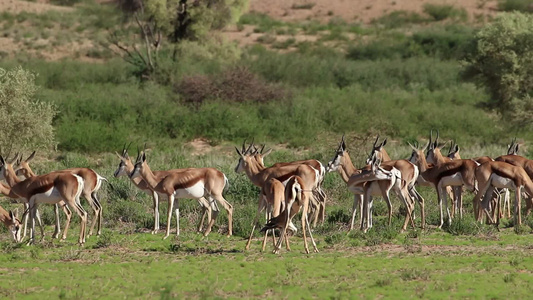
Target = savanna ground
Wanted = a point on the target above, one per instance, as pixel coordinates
(358, 68)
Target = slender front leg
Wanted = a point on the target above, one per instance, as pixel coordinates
(32, 222)
(518, 217)
(440, 195)
(68, 214)
(169, 214)
(57, 229)
(357, 202)
(259, 209)
(155, 197)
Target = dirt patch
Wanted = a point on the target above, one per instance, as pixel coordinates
(16, 6)
(357, 10)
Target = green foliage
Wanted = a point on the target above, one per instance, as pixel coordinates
(27, 122)
(398, 18)
(445, 42)
(502, 62)
(516, 5)
(441, 12)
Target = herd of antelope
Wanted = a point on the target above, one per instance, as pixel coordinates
(286, 188)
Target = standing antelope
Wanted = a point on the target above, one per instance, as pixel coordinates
(196, 183)
(454, 173)
(408, 170)
(259, 175)
(318, 202)
(342, 163)
(50, 188)
(92, 182)
(498, 174)
(295, 200)
(11, 221)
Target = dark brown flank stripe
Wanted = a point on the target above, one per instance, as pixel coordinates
(41, 189)
(187, 181)
(454, 170)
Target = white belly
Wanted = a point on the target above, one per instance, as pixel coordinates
(501, 182)
(195, 191)
(453, 180)
(51, 196)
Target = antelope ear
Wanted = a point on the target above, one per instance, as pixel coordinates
(144, 157)
(30, 157)
(12, 216)
(384, 142)
(412, 147)
(267, 152)
(238, 152)
(516, 148)
(119, 156)
(425, 147)
(456, 148)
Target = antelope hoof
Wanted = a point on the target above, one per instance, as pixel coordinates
(30, 242)
(165, 237)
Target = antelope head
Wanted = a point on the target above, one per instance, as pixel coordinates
(337, 160)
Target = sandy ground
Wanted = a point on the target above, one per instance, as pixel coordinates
(357, 10)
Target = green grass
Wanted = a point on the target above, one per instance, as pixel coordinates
(144, 266)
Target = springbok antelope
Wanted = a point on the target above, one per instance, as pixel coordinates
(11, 221)
(125, 167)
(435, 157)
(204, 184)
(259, 175)
(453, 173)
(296, 199)
(405, 167)
(527, 165)
(7, 174)
(92, 182)
(498, 174)
(342, 163)
(50, 188)
(317, 205)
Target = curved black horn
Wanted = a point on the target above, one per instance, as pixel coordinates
(376, 141)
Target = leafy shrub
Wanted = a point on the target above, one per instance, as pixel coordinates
(26, 121)
(237, 84)
(399, 18)
(501, 63)
(441, 12)
(516, 5)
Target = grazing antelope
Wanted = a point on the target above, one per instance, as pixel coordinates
(499, 174)
(296, 199)
(453, 173)
(259, 175)
(204, 184)
(342, 163)
(92, 182)
(318, 202)
(11, 221)
(50, 188)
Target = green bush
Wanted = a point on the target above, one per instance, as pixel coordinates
(501, 63)
(441, 12)
(26, 121)
(400, 18)
(516, 5)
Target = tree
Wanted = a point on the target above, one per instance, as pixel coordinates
(502, 63)
(26, 122)
(160, 22)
